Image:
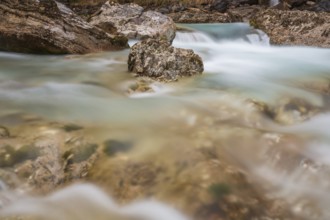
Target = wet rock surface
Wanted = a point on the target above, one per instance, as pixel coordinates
(294, 27)
(46, 159)
(288, 111)
(196, 177)
(158, 59)
(50, 27)
(134, 22)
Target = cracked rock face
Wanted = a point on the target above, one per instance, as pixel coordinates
(158, 59)
(135, 23)
(41, 27)
(294, 27)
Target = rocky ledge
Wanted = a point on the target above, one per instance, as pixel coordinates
(294, 27)
(199, 16)
(133, 21)
(158, 59)
(31, 26)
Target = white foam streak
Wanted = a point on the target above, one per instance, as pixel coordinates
(318, 126)
(273, 2)
(193, 37)
(86, 202)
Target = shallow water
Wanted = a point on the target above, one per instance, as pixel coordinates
(219, 108)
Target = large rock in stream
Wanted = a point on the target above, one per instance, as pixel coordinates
(158, 59)
(294, 27)
(31, 26)
(132, 21)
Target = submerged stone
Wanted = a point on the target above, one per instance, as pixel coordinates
(112, 147)
(9, 156)
(4, 132)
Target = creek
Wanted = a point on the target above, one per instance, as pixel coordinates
(264, 108)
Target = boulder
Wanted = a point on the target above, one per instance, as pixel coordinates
(294, 27)
(199, 16)
(82, 7)
(135, 23)
(31, 26)
(158, 59)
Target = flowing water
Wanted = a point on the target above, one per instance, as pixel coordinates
(273, 2)
(264, 109)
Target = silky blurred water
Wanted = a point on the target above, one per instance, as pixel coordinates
(240, 66)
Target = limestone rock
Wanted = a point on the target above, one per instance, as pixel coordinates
(158, 59)
(294, 27)
(135, 23)
(31, 26)
(199, 16)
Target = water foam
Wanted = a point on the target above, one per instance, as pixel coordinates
(86, 202)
